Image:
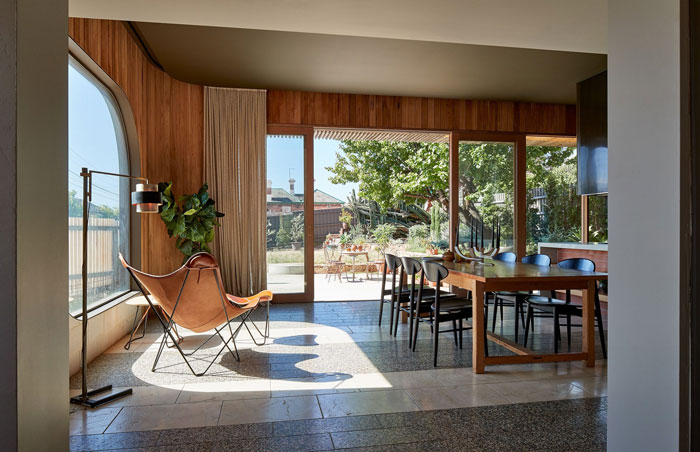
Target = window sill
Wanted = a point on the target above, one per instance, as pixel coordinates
(107, 306)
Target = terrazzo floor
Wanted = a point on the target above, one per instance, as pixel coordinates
(330, 378)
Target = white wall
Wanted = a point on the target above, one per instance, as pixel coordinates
(104, 330)
(42, 267)
(644, 169)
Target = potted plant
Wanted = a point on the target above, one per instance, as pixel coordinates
(345, 218)
(360, 241)
(191, 221)
(382, 236)
(344, 241)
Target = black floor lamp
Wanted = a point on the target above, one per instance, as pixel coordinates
(147, 199)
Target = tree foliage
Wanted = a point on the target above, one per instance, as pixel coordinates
(398, 174)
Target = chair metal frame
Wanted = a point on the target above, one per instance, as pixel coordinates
(168, 326)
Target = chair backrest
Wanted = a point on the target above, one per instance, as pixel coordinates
(578, 263)
(434, 272)
(327, 255)
(410, 266)
(392, 262)
(505, 257)
(198, 285)
(537, 259)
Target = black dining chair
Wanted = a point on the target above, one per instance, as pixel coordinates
(553, 307)
(454, 310)
(517, 299)
(414, 271)
(501, 257)
(393, 265)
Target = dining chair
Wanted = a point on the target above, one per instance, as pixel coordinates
(414, 271)
(396, 294)
(553, 307)
(454, 310)
(517, 299)
(506, 256)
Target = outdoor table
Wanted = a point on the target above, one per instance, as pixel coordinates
(497, 276)
(353, 255)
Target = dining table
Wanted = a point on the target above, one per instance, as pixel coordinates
(353, 255)
(494, 276)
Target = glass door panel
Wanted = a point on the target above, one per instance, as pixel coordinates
(486, 192)
(286, 266)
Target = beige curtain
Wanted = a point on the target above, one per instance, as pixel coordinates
(235, 132)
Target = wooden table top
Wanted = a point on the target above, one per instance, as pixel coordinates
(516, 271)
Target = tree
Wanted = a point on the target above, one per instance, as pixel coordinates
(297, 232)
(415, 173)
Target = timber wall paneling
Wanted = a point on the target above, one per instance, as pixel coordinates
(418, 113)
(169, 122)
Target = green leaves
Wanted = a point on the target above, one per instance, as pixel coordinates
(192, 221)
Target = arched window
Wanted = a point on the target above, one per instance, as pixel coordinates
(97, 141)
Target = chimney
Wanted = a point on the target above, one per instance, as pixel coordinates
(269, 190)
(291, 185)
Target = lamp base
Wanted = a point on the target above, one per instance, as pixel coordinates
(93, 402)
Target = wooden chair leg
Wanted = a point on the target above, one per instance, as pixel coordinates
(486, 338)
(568, 330)
(518, 307)
(495, 312)
(454, 332)
(557, 333)
(528, 320)
(601, 331)
(436, 329)
(461, 330)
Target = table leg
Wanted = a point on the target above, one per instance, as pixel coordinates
(353, 268)
(588, 302)
(478, 342)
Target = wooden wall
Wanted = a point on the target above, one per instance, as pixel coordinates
(169, 121)
(396, 112)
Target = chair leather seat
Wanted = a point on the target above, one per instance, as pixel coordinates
(454, 305)
(551, 303)
(512, 294)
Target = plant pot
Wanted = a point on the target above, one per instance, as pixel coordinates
(295, 246)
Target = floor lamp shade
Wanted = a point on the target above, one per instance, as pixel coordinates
(146, 198)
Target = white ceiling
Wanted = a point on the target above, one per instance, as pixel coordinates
(568, 25)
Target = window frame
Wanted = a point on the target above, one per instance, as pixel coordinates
(121, 112)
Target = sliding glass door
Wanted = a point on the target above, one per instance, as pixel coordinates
(289, 214)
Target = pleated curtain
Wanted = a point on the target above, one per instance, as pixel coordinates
(235, 132)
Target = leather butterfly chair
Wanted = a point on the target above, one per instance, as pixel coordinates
(193, 297)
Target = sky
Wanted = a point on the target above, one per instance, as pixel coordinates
(285, 156)
(92, 142)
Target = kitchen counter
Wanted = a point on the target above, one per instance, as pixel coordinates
(574, 246)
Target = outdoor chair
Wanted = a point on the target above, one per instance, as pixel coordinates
(334, 265)
(193, 297)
